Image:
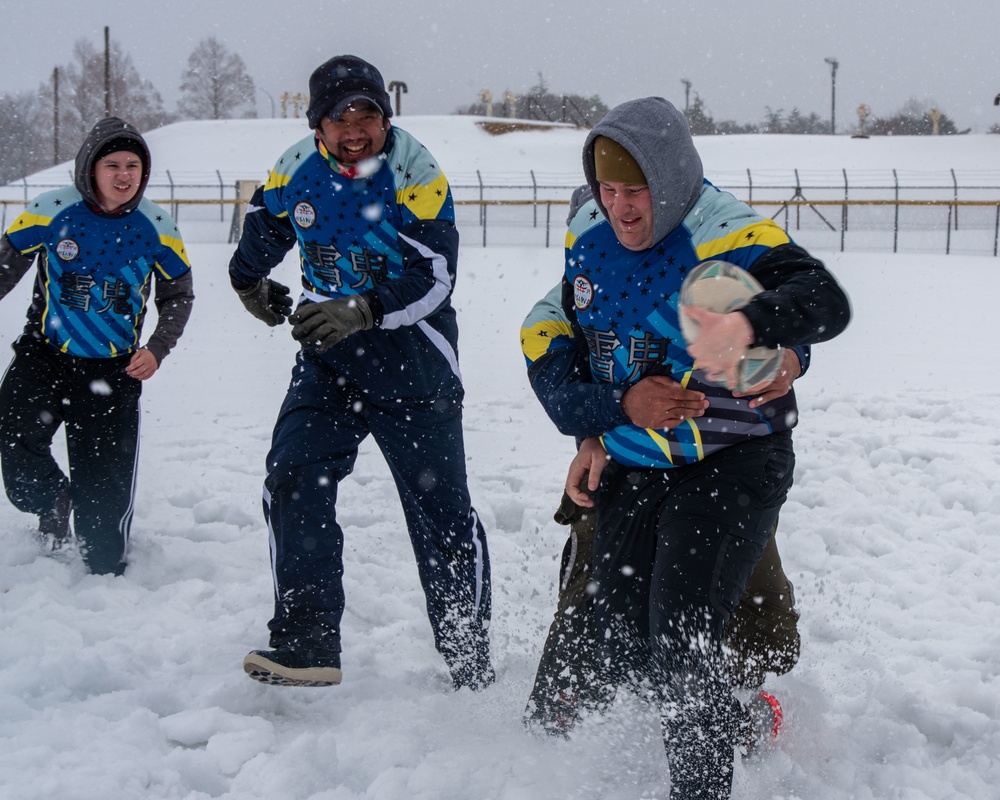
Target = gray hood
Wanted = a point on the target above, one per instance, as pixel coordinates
(107, 130)
(658, 137)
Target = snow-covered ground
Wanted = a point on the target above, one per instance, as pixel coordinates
(133, 687)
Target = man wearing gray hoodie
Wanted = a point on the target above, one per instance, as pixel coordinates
(99, 248)
(686, 477)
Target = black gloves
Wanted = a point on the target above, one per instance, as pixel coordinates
(267, 300)
(315, 324)
(324, 324)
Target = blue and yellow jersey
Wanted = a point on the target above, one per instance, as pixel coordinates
(94, 270)
(348, 227)
(385, 230)
(625, 304)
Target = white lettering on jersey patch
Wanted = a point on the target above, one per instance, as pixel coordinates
(67, 250)
(305, 215)
(583, 292)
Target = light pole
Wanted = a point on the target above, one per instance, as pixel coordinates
(397, 87)
(267, 94)
(833, 93)
(687, 93)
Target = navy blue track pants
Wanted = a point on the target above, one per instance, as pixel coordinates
(673, 552)
(98, 403)
(322, 422)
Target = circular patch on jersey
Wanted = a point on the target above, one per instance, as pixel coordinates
(305, 215)
(67, 250)
(583, 292)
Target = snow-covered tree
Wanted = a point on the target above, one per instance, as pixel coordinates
(215, 84)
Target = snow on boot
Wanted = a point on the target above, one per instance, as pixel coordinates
(54, 531)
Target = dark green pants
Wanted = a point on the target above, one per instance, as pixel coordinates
(762, 635)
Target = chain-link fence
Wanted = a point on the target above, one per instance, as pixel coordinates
(882, 211)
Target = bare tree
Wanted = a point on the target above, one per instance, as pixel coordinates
(81, 101)
(25, 147)
(215, 84)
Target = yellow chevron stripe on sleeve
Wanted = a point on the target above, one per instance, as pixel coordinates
(29, 220)
(177, 245)
(537, 339)
(424, 200)
(276, 180)
(760, 234)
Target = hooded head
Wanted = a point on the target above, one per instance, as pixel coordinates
(110, 135)
(341, 82)
(648, 139)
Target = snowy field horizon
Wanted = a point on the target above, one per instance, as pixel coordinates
(132, 687)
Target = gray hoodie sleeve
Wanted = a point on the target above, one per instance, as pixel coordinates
(174, 299)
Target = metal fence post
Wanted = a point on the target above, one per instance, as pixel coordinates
(534, 197)
(996, 230)
(798, 208)
(173, 205)
(947, 246)
(222, 198)
(843, 215)
(895, 221)
(954, 182)
(482, 206)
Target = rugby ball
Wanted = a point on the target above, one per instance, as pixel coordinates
(723, 287)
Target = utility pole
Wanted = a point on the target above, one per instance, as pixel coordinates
(107, 71)
(687, 93)
(833, 93)
(55, 115)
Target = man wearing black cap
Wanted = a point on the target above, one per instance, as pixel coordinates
(100, 248)
(374, 221)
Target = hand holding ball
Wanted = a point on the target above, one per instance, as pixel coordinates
(721, 287)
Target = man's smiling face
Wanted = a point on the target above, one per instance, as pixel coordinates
(630, 212)
(117, 178)
(358, 134)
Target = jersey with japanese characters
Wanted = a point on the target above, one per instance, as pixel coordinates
(348, 227)
(626, 303)
(94, 270)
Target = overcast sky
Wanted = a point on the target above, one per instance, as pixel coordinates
(741, 58)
